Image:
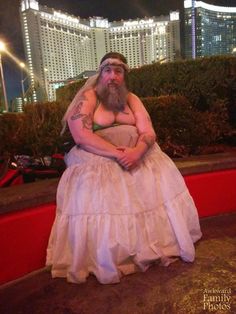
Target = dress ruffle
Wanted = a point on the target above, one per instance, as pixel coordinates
(112, 222)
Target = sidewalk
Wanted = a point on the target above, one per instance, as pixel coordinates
(206, 286)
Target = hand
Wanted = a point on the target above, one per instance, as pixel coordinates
(129, 158)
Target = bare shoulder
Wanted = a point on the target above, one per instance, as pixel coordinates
(133, 99)
(143, 120)
(85, 102)
(135, 103)
(90, 97)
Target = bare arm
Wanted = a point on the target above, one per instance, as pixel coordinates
(80, 122)
(147, 135)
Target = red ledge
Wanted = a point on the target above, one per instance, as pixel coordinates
(28, 210)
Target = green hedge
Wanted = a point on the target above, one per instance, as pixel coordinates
(192, 105)
(202, 81)
(181, 128)
(34, 132)
(12, 133)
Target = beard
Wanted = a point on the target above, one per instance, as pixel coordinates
(113, 97)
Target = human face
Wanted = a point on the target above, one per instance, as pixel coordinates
(111, 88)
(112, 75)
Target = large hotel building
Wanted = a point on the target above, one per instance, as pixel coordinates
(209, 29)
(59, 46)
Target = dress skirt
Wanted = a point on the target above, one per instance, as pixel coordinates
(112, 222)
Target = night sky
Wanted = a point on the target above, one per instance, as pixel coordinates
(10, 29)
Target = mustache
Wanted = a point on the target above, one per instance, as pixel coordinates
(113, 83)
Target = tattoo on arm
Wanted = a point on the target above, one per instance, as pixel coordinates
(147, 139)
(87, 119)
(76, 115)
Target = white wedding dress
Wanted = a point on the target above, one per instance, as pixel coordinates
(111, 222)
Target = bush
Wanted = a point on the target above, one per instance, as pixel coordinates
(66, 93)
(202, 81)
(35, 132)
(181, 129)
(43, 126)
(192, 104)
(12, 133)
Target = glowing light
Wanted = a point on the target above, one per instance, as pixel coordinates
(65, 17)
(138, 22)
(211, 7)
(33, 4)
(2, 46)
(174, 16)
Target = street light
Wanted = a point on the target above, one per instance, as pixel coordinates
(2, 48)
